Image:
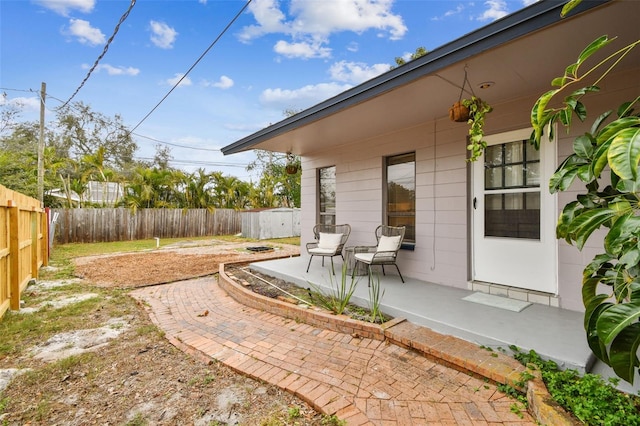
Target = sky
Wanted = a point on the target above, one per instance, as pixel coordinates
(197, 75)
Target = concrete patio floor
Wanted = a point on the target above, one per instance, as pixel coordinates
(553, 333)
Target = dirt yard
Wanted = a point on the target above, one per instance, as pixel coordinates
(121, 370)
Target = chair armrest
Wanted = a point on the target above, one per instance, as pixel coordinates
(364, 249)
(312, 245)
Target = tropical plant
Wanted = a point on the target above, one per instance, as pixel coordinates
(606, 160)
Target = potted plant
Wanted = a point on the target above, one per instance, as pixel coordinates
(478, 109)
(459, 112)
(292, 165)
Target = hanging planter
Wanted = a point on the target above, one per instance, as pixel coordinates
(471, 111)
(459, 112)
(292, 165)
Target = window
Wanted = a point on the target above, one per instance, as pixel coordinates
(401, 193)
(327, 195)
(512, 190)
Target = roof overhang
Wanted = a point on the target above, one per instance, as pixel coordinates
(521, 53)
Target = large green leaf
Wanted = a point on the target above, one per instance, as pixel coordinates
(592, 48)
(582, 146)
(600, 158)
(615, 319)
(622, 354)
(596, 344)
(612, 129)
(569, 212)
(624, 153)
(631, 257)
(591, 300)
(568, 7)
(622, 230)
(587, 222)
(599, 262)
(598, 121)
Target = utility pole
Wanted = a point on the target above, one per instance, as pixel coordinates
(43, 94)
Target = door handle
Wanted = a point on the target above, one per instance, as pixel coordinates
(475, 202)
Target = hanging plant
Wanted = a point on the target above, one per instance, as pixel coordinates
(292, 165)
(478, 109)
(473, 112)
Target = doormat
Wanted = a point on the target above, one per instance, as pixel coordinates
(500, 302)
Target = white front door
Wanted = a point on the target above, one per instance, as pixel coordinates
(514, 215)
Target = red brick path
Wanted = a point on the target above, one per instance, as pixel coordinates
(363, 381)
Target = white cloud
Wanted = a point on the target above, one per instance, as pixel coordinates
(529, 2)
(85, 33)
(269, 18)
(63, 7)
(25, 104)
(451, 12)
(356, 72)
(496, 9)
(301, 98)
(223, 83)
(312, 22)
(163, 36)
(202, 2)
(111, 70)
(186, 81)
(330, 16)
(304, 50)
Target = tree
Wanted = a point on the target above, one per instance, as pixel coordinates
(420, 51)
(276, 187)
(605, 160)
(83, 132)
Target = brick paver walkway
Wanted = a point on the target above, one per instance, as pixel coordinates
(363, 381)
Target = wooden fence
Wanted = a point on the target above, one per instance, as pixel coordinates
(23, 245)
(119, 224)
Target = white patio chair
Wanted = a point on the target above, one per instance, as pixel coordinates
(330, 240)
(389, 240)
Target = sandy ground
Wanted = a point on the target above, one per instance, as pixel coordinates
(114, 369)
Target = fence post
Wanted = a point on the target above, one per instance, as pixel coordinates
(44, 227)
(14, 256)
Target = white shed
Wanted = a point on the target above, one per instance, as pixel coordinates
(271, 223)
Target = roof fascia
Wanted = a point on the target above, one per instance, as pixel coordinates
(532, 18)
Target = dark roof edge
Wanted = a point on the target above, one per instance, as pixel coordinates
(537, 16)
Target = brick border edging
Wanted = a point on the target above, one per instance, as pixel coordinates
(311, 316)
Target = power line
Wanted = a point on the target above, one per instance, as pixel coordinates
(104, 51)
(197, 162)
(193, 66)
(175, 144)
(37, 93)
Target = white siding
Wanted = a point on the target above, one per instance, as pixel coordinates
(442, 232)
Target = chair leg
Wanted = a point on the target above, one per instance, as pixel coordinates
(309, 263)
(333, 271)
(370, 272)
(383, 270)
(401, 279)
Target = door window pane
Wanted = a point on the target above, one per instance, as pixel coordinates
(512, 165)
(327, 193)
(512, 215)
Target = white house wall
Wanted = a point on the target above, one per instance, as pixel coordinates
(441, 252)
